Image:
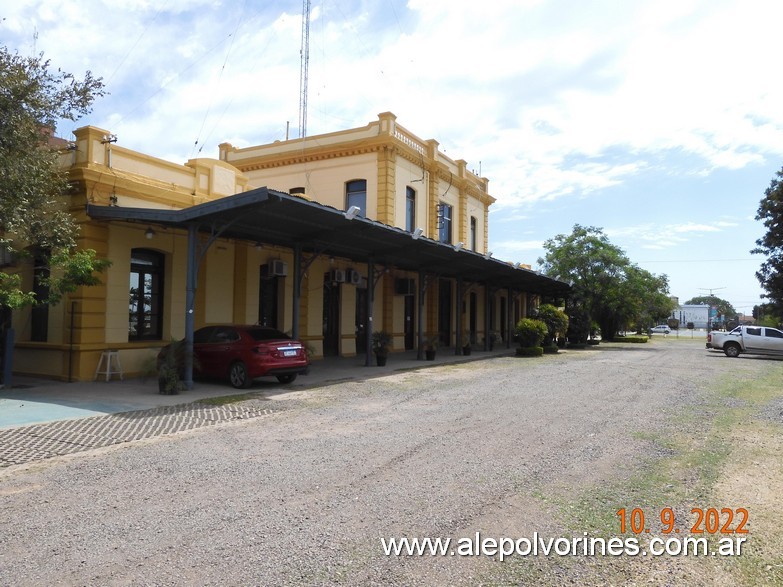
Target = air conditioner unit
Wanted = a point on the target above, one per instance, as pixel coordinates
(274, 268)
(353, 277)
(404, 287)
(338, 275)
(278, 267)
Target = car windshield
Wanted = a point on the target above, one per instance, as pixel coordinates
(267, 334)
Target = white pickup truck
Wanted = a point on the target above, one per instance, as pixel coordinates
(758, 340)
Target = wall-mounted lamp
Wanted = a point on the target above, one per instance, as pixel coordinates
(259, 246)
(352, 212)
(149, 233)
(109, 139)
(417, 233)
(113, 200)
(459, 246)
(331, 260)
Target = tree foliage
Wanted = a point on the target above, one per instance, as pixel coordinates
(555, 319)
(724, 307)
(34, 219)
(770, 274)
(607, 289)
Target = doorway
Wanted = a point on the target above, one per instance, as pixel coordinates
(410, 311)
(444, 312)
(361, 320)
(267, 300)
(331, 318)
(473, 317)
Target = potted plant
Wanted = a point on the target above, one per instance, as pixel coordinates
(170, 360)
(381, 343)
(466, 348)
(431, 346)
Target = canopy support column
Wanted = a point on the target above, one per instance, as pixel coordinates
(190, 302)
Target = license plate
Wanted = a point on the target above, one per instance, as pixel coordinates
(289, 353)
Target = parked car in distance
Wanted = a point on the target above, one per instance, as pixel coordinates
(241, 353)
(660, 329)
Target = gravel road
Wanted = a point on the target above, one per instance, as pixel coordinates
(303, 496)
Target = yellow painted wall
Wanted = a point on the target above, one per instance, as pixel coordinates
(324, 181)
(219, 284)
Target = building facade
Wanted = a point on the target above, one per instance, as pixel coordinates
(699, 314)
(381, 172)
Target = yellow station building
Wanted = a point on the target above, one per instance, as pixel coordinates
(326, 237)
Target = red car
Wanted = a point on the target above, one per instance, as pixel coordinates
(241, 353)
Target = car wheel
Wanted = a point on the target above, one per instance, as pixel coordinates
(286, 378)
(732, 350)
(239, 376)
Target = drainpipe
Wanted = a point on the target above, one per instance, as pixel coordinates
(297, 270)
(370, 299)
(420, 317)
(458, 342)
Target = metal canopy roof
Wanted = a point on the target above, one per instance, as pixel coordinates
(267, 216)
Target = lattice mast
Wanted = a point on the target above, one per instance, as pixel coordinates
(303, 70)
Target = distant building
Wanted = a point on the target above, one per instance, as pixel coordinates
(696, 313)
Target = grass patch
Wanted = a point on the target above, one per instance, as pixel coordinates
(227, 399)
(711, 454)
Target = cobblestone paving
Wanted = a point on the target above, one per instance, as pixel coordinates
(42, 441)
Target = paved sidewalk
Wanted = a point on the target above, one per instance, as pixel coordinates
(40, 419)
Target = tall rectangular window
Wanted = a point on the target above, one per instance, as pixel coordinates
(444, 223)
(145, 308)
(410, 209)
(356, 195)
(473, 234)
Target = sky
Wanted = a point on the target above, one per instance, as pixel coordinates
(658, 121)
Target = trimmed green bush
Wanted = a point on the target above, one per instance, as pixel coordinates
(531, 332)
(633, 339)
(551, 349)
(530, 351)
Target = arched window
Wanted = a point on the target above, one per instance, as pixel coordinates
(356, 195)
(145, 310)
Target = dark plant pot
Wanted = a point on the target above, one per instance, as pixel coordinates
(429, 355)
(165, 387)
(466, 350)
(381, 360)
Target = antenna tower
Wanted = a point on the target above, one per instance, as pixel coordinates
(303, 71)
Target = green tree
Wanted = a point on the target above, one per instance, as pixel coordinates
(770, 274)
(556, 322)
(724, 307)
(607, 289)
(34, 218)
